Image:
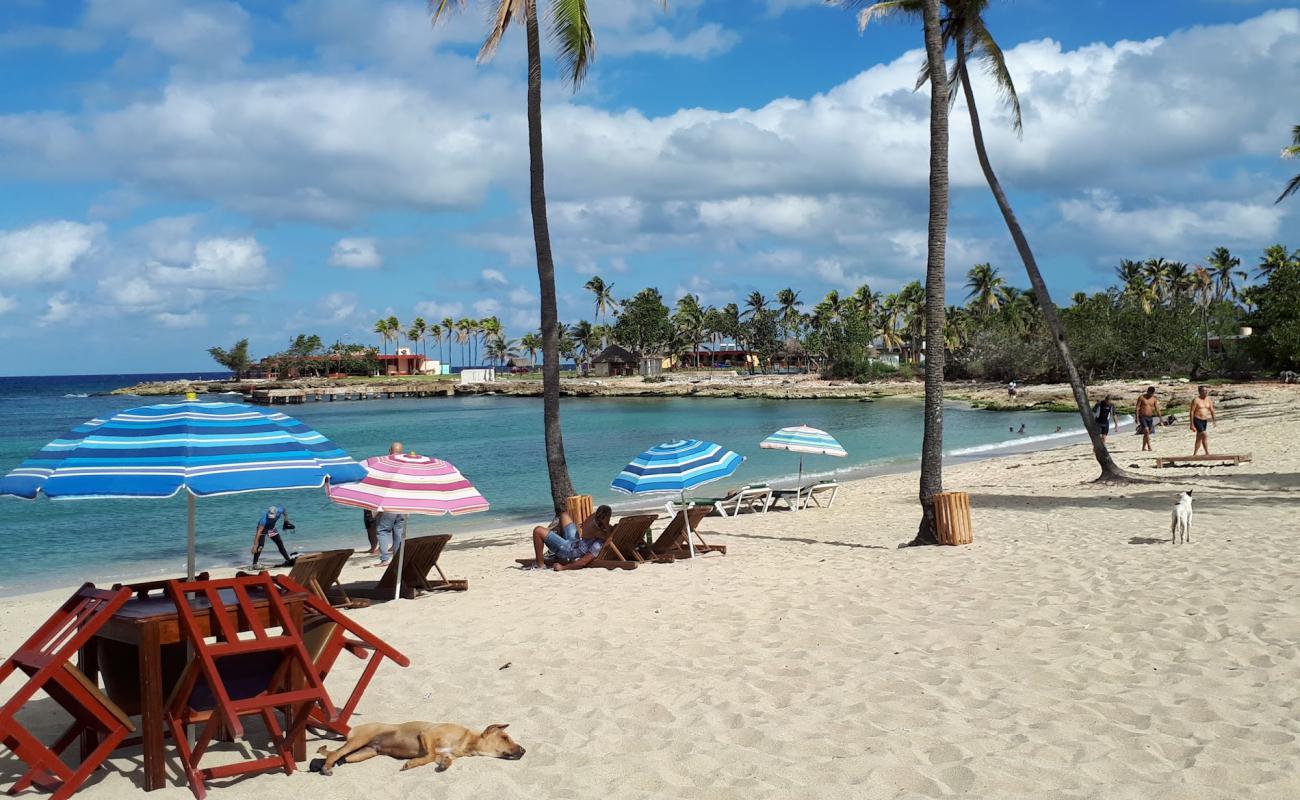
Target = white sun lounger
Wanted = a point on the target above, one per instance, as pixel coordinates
(753, 498)
(813, 493)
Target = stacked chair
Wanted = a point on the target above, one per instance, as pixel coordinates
(46, 658)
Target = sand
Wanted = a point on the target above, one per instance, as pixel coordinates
(1070, 652)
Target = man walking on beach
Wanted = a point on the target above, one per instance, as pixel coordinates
(390, 529)
(1148, 408)
(1202, 417)
(1103, 411)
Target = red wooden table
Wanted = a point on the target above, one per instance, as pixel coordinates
(131, 651)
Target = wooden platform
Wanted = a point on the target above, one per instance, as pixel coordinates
(279, 397)
(1228, 458)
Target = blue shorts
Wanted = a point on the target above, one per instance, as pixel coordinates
(1200, 424)
(560, 544)
(1147, 423)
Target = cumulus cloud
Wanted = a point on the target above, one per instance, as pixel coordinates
(338, 306)
(60, 307)
(486, 307)
(1176, 227)
(44, 252)
(434, 310)
(494, 277)
(220, 263)
(360, 253)
(174, 321)
(7, 304)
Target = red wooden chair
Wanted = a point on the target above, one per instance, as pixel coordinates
(46, 659)
(326, 633)
(232, 677)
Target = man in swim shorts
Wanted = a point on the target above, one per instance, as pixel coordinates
(572, 548)
(1148, 408)
(1202, 418)
(1103, 411)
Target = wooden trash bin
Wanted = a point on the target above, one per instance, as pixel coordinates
(579, 508)
(952, 517)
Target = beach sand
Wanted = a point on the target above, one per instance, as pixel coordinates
(1070, 652)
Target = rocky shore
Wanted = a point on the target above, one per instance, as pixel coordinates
(1041, 397)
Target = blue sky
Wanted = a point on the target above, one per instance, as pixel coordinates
(183, 173)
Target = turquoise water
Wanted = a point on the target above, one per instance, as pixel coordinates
(495, 441)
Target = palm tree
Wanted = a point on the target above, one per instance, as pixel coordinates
(585, 337)
(890, 321)
(987, 288)
(490, 329)
(500, 349)
(531, 343)
(755, 303)
(419, 328)
(788, 303)
(689, 322)
(436, 332)
(865, 302)
(571, 30)
(1156, 273)
(1291, 152)
(381, 328)
(1275, 258)
(832, 306)
(394, 329)
(965, 28)
(464, 327)
(449, 330)
(1223, 267)
(604, 293)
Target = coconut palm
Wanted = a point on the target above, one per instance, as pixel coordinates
(1179, 281)
(964, 27)
(1223, 268)
(490, 329)
(530, 343)
(419, 329)
(832, 306)
(570, 29)
(1291, 152)
(381, 328)
(604, 294)
(788, 303)
(500, 349)
(755, 303)
(394, 329)
(449, 330)
(436, 332)
(464, 329)
(865, 302)
(890, 322)
(688, 320)
(987, 288)
(1275, 258)
(585, 336)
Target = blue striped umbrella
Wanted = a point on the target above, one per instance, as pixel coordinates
(803, 439)
(207, 449)
(676, 467)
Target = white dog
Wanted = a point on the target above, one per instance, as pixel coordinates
(1180, 527)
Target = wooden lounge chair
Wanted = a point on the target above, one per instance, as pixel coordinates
(320, 572)
(755, 497)
(421, 557)
(621, 549)
(327, 634)
(1236, 459)
(231, 677)
(672, 541)
(46, 658)
(579, 507)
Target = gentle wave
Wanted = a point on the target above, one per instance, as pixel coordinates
(76, 395)
(1028, 442)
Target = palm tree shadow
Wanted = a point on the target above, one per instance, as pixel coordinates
(803, 540)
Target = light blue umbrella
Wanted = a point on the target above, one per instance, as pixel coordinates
(207, 449)
(675, 468)
(803, 439)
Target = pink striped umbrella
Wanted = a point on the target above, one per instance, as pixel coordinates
(410, 484)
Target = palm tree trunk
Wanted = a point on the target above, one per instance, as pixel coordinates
(1110, 471)
(932, 440)
(556, 468)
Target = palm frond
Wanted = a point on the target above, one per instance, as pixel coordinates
(575, 41)
(996, 64)
(506, 11)
(438, 7)
(869, 10)
(1292, 187)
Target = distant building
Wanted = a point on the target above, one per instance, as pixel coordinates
(615, 361)
(652, 365)
(401, 364)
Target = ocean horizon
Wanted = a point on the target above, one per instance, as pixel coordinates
(495, 441)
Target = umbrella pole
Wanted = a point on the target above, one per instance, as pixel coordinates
(401, 573)
(686, 519)
(189, 555)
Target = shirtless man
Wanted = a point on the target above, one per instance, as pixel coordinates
(1202, 417)
(1148, 409)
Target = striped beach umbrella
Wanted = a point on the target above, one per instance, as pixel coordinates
(407, 483)
(675, 468)
(802, 439)
(206, 449)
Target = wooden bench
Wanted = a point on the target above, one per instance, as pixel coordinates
(1234, 458)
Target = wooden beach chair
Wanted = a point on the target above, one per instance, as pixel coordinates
(328, 633)
(421, 557)
(320, 572)
(579, 507)
(46, 658)
(231, 677)
(672, 541)
(1235, 459)
(620, 550)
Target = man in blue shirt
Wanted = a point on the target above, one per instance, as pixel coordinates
(572, 548)
(268, 526)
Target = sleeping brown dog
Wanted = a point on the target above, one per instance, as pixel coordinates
(420, 743)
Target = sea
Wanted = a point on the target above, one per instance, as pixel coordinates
(496, 442)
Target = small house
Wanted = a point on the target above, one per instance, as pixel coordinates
(615, 361)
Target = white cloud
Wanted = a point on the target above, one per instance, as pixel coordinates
(60, 307)
(132, 293)
(435, 311)
(187, 320)
(486, 307)
(520, 297)
(356, 254)
(494, 276)
(1172, 227)
(220, 263)
(44, 252)
(201, 32)
(7, 304)
(338, 306)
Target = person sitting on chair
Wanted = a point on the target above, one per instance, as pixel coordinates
(572, 548)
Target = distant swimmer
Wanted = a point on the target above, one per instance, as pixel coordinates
(1058, 429)
(1022, 429)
